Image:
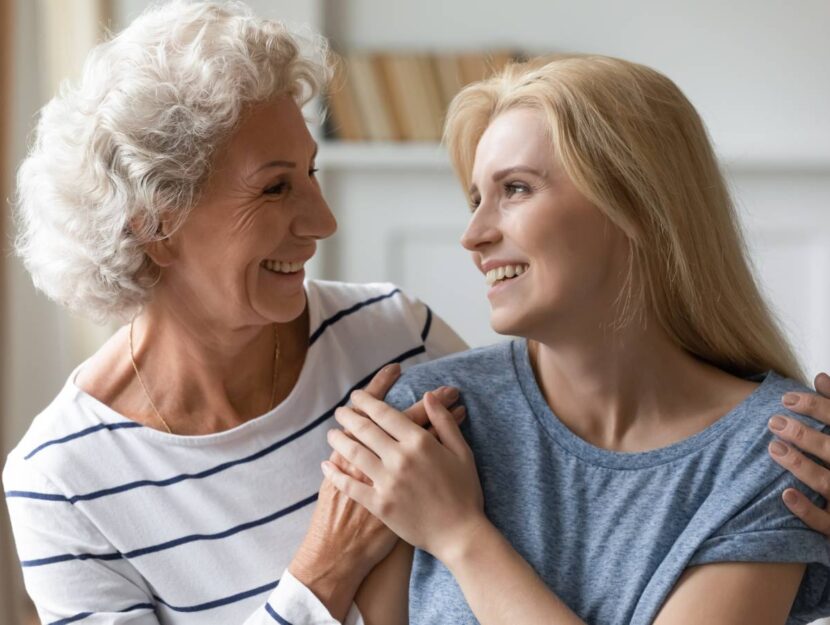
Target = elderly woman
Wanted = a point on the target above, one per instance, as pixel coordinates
(614, 464)
(174, 476)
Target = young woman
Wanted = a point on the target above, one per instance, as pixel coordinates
(615, 467)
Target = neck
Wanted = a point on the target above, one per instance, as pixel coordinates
(630, 389)
(205, 377)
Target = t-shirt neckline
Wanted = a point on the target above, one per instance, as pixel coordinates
(102, 410)
(608, 458)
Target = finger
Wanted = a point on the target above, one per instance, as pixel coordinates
(347, 467)
(822, 384)
(807, 471)
(355, 453)
(352, 488)
(444, 423)
(459, 413)
(802, 436)
(447, 395)
(810, 404)
(383, 380)
(365, 431)
(807, 511)
(393, 422)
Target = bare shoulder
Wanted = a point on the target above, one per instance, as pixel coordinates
(108, 372)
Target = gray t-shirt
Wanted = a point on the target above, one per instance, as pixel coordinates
(611, 532)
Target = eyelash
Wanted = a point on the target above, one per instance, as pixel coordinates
(280, 186)
(510, 189)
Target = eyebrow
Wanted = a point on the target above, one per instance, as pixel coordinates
(503, 173)
(286, 164)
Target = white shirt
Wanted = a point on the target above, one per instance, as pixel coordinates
(119, 523)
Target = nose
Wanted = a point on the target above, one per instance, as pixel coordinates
(482, 230)
(314, 219)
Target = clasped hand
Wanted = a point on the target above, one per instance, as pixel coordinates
(424, 487)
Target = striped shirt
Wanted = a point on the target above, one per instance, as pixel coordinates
(115, 522)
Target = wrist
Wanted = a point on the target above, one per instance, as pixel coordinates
(458, 549)
(334, 581)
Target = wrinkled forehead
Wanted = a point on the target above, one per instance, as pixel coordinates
(272, 130)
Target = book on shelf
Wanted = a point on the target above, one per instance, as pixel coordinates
(372, 98)
(344, 119)
(402, 96)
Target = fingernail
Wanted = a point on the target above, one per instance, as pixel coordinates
(778, 448)
(790, 498)
(393, 369)
(325, 468)
(448, 392)
(777, 423)
(790, 399)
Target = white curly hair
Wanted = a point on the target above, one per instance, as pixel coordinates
(131, 144)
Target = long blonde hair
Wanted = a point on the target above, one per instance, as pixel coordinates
(637, 149)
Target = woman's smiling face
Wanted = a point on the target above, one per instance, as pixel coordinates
(238, 257)
(530, 221)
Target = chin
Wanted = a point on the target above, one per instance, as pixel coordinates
(506, 324)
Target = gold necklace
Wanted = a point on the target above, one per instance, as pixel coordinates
(152, 403)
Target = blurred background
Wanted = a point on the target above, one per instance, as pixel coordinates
(756, 71)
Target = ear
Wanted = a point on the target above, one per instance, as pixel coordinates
(161, 252)
(161, 249)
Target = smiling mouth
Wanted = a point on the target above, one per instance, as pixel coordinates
(282, 266)
(504, 273)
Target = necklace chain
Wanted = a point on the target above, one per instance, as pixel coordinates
(153, 404)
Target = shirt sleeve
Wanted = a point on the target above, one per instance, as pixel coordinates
(766, 531)
(292, 602)
(73, 573)
(438, 337)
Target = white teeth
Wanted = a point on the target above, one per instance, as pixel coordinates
(504, 272)
(282, 266)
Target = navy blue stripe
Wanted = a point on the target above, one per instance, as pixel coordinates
(86, 432)
(176, 542)
(225, 465)
(27, 494)
(66, 557)
(427, 325)
(82, 615)
(77, 617)
(218, 603)
(347, 311)
(275, 615)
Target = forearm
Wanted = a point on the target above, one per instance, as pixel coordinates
(500, 586)
(383, 597)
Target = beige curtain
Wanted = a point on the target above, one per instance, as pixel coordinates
(64, 31)
(10, 594)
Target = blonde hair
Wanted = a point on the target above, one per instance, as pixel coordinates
(636, 148)
(132, 143)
